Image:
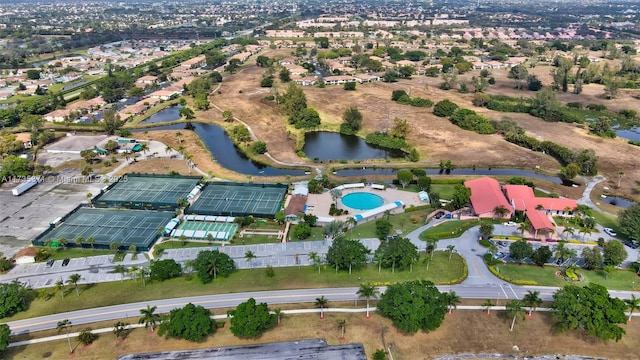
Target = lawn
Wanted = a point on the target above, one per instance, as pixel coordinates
(317, 233)
(71, 253)
(444, 190)
(406, 223)
(448, 229)
(112, 293)
(618, 280)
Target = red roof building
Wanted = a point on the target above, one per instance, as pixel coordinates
(523, 199)
(486, 196)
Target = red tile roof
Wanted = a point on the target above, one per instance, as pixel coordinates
(523, 198)
(486, 195)
(539, 220)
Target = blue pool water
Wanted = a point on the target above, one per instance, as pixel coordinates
(362, 201)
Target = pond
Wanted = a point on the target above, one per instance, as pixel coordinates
(172, 113)
(226, 153)
(629, 134)
(618, 201)
(461, 171)
(324, 145)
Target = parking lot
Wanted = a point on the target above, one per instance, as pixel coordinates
(28, 215)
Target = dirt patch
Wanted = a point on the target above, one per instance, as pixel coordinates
(468, 331)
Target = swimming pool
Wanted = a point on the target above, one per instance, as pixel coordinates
(362, 201)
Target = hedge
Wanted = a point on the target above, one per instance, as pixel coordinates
(416, 208)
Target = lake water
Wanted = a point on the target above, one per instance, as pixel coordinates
(324, 145)
(617, 201)
(226, 153)
(171, 113)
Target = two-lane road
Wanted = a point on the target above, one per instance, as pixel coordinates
(499, 293)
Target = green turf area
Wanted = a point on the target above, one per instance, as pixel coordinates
(147, 192)
(239, 199)
(619, 279)
(112, 293)
(448, 229)
(106, 226)
(406, 222)
(317, 233)
(444, 190)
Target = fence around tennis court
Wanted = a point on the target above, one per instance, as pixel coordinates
(239, 199)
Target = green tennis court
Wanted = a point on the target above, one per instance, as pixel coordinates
(147, 192)
(105, 226)
(204, 230)
(239, 199)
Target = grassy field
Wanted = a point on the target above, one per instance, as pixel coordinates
(112, 293)
(618, 280)
(449, 229)
(444, 190)
(71, 253)
(406, 223)
(464, 331)
(317, 233)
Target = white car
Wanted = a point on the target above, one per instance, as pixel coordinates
(610, 232)
(510, 223)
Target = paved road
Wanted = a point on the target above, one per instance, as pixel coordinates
(500, 292)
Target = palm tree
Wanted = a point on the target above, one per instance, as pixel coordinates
(452, 300)
(119, 329)
(168, 149)
(249, 255)
(500, 211)
(335, 195)
(73, 279)
(487, 305)
(63, 242)
(586, 231)
(60, 287)
(378, 257)
(514, 308)
(493, 249)
(91, 241)
(144, 273)
(278, 313)
(432, 244)
(620, 175)
(315, 259)
(149, 317)
(532, 300)
(78, 241)
(450, 249)
(368, 291)
(321, 302)
(341, 325)
(179, 136)
(121, 269)
(608, 269)
(632, 304)
(524, 227)
(351, 223)
(64, 325)
(570, 231)
(562, 252)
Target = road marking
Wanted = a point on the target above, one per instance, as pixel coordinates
(505, 293)
(513, 291)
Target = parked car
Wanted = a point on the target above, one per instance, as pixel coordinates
(65, 262)
(510, 223)
(50, 263)
(610, 232)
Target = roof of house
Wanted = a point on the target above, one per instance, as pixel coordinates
(28, 251)
(486, 195)
(24, 137)
(523, 198)
(296, 205)
(539, 220)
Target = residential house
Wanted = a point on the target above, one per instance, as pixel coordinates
(25, 139)
(486, 197)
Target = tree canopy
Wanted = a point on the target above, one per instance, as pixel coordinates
(629, 221)
(191, 323)
(14, 297)
(166, 269)
(590, 309)
(397, 253)
(414, 305)
(212, 263)
(250, 320)
(5, 336)
(520, 250)
(347, 254)
(614, 253)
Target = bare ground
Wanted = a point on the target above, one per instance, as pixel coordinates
(435, 138)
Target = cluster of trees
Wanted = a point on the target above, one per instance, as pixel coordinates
(351, 121)
(303, 229)
(211, 263)
(295, 105)
(395, 138)
(470, 120)
(629, 221)
(200, 88)
(401, 97)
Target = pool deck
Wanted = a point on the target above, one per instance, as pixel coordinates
(319, 204)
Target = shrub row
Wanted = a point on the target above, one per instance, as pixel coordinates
(416, 208)
(384, 140)
(513, 281)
